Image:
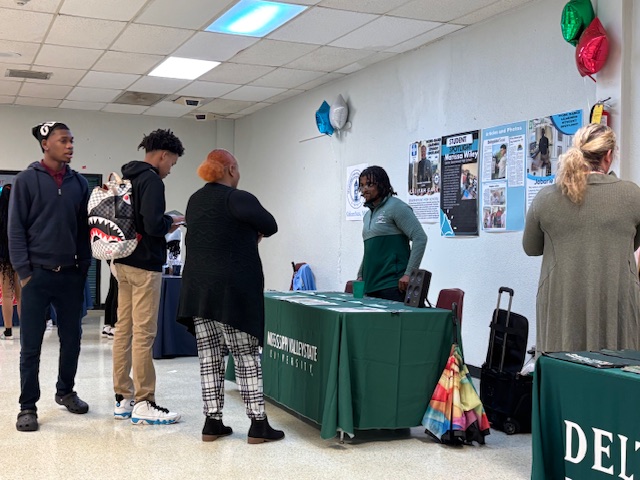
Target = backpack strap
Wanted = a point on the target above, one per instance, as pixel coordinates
(116, 176)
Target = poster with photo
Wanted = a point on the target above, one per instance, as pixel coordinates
(548, 138)
(504, 155)
(355, 208)
(424, 179)
(459, 184)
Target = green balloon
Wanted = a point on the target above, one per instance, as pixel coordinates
(576, 16)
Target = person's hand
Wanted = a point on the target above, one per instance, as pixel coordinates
(24, 281)
(359, 279)
(403, 283)
(177, 221)
(260, 237)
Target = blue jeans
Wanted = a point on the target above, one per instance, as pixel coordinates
(65, 290)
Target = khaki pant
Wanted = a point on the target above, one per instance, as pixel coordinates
(138, 304)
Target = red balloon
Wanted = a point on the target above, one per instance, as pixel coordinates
(592, 49)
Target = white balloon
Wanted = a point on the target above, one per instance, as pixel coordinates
(338, 113)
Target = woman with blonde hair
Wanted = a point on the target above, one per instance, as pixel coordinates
(222, 295)
(586, 227)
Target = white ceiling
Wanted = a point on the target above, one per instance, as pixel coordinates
(97, 49)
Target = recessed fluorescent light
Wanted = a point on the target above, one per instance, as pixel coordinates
(183, 68)
(255, 18)
(9, 55)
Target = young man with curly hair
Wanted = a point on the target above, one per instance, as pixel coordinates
(139, 283)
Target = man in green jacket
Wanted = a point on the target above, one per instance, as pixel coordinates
(388, 227)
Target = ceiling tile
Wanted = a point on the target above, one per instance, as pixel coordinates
(122, 62)
(9, 88)
(256, 94)
(489, 11)
(40, 90)
(304, 2)
(150, 39)
(48, 6)
(158, 85)
(112, 10)
(83, 32)
(193, 14)
(168, 109)
(430, 36)
(438, 11)
(236, 73)
(59, 76)
(365, 62)
(207, 89)
(222, 106)
(368, 6)
(67, 57)
(253, 108)
(385, 32)
(285, 95)
(328, 59)
(27, 51)
(108, 80)
(129, 109)
(214, 46)
(23, 26)
(329, 77)
(82, 105)
(321, 26)
(7, 99)
(84, 94)
(37, 102)
(273, 53)
(286, 78)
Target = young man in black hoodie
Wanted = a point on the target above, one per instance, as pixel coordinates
(49, 248)
(140, 281)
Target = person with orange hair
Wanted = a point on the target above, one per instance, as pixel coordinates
(221, 300)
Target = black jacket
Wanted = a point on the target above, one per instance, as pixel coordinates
(151, 222)
(222, 279)
(48, 225)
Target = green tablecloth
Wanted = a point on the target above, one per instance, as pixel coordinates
(354, 369)
(597, 409)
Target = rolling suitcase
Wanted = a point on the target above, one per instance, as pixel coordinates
(505, 394)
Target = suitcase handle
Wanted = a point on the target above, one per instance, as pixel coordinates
(506, 289)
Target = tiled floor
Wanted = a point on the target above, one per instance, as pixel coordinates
(95, 446)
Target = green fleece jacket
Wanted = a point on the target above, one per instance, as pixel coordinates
(387, 230)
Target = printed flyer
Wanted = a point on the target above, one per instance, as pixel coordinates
(459, 184)
(424, 179)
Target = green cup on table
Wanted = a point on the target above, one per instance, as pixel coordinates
(358, 289)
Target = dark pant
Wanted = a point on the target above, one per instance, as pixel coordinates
(392, 293)
(65, 290)
(111, 303)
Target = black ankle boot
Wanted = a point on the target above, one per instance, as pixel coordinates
(213, 429)
(261, 432)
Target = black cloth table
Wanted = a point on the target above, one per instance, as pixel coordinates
(172, 339)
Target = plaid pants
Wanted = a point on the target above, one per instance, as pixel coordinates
(211, 337)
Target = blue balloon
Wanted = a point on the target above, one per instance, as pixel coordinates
(322, 119)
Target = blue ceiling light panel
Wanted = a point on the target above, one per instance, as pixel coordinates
(255, 18)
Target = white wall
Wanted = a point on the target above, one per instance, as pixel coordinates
(512, 68)
(105, 141)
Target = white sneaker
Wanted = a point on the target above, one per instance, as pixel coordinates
(107, 331)
(5, 337)
(123, 407)
(49, 325)
(149, 413)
